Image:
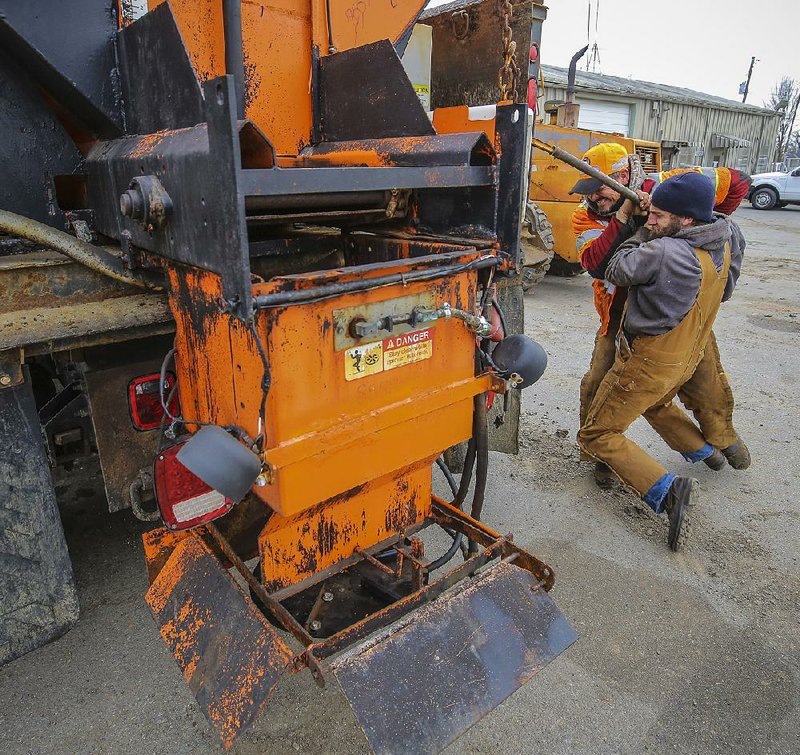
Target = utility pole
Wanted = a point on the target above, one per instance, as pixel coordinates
(746, 84)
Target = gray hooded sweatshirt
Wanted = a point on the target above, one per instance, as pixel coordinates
(664, 274)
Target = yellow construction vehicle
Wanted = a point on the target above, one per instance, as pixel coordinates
(549, 240)
(551, 205)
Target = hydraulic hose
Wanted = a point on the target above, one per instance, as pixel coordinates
(457, 536)
(94, 257)
(466, 474)
(481, 437)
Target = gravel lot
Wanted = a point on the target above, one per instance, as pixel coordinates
(690, 653)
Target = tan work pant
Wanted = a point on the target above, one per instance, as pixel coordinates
(707, 394)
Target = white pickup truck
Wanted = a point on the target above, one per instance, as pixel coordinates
(770, 190)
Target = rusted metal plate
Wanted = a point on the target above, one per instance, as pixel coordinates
(230, 656)
(52, 328)
(425, 680)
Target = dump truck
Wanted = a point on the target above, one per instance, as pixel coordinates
(243, 267)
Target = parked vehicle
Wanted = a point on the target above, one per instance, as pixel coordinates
(770, 190)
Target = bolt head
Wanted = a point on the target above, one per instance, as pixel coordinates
(327, 596)
(315, 626)
(5, 379)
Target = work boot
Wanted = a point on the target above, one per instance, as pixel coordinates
(603, 475)
(682, 494)
(716, 461)
(737, 455)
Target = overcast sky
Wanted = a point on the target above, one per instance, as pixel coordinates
(700, 44)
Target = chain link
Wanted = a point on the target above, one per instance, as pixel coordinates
(508, 75)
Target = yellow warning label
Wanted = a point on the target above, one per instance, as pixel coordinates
(361, 361)
(407, 348)
(424, 94)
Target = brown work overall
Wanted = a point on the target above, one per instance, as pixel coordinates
(645, 379)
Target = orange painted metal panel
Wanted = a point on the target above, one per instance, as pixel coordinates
(277, 38)
(456, 120)
(359, 22)
(327, 435)
(296, 547)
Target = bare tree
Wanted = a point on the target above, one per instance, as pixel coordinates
(784, 98)
(793, 145)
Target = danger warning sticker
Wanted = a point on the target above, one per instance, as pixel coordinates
(395, 351)
(407, 348)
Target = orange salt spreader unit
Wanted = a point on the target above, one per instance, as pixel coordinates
(335, 271)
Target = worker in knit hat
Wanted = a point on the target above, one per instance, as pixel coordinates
(601, 223)
(678, 269)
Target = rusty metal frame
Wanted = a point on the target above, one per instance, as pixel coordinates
(495, 547)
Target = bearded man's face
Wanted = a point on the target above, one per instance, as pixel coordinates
(662, 223)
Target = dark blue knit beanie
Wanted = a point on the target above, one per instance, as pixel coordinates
(690, 195)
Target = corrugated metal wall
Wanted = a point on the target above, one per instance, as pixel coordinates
(685, 130)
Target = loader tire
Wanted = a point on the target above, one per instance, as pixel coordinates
(563, 269)
(537, 245)
(38, 600)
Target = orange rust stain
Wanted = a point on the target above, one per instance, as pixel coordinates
(158, 546)
(160, 591)
(293, 548)
(146, 144)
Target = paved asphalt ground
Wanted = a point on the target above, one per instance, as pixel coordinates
(692, 653)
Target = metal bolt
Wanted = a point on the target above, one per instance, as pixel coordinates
(131, 204)
(315, 626)
(5, 379)
(261, 480)
(327, 596)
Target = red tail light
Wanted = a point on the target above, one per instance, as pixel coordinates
(144, 400)
(184, 499)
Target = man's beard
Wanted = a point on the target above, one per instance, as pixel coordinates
(671, 229)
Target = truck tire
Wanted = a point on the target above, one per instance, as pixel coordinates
(38, 600)
(764, 198)
(564, 269)
(537, 244)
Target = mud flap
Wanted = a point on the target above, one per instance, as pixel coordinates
(427, 678)
(230, 655)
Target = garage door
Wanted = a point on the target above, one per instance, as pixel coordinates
(611, 117)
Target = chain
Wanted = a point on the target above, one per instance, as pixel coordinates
(508, 75)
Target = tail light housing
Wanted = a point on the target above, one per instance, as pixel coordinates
(184, 500)
(144, 400)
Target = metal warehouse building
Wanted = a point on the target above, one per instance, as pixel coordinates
(693, 128)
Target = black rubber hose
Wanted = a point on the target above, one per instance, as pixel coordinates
(448, 475)
(457, 536)
(466, 475)
(481, 437)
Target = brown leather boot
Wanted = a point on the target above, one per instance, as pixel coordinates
(603, 475)
(681, 496)
(737, 455)
(716, 461)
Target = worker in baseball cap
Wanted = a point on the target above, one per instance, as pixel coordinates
(677, 270)
(601, 223)
(609, 157)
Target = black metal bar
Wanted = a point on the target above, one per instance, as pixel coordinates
(289, 623)
(446, 515)
(234, 49)
(573, 64)
(286, 298)
(265, 182)
(356, 632)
